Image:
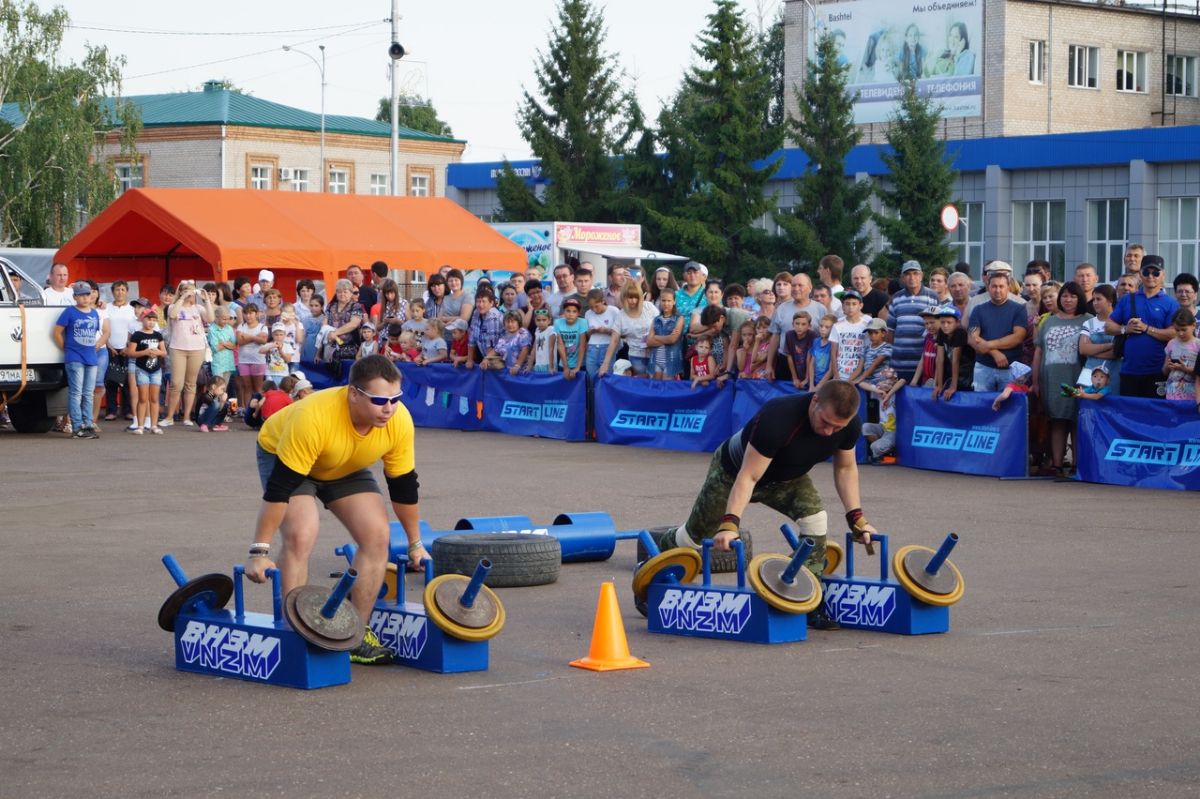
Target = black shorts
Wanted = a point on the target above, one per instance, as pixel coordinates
(328, 491)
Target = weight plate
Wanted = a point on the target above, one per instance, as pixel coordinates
(904, 569)
(763, 574)
(302, 608)
(214, 590)
(448, 596)
(681, 563)
(834, 555)
(436, 598)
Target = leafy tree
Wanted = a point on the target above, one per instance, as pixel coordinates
(830, 212)
(415, 112)
(921, 181)
(773, 54)
(577, 122)
(54, 118)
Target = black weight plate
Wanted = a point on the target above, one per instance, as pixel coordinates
(212, 589)
(302, 608)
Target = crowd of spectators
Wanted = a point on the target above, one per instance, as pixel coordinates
(233, 352)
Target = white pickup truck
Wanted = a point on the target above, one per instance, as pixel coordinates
(33, 382)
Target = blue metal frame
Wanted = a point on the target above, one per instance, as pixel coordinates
(882, 604)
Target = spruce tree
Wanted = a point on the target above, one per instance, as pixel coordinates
(921, 181)
(831, 211)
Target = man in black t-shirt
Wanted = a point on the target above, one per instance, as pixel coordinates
(768, 461)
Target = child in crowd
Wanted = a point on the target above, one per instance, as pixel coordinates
(252, 365)
(222, 340)
(1098, 389)
(601, 320)
(572, 338)
(881, 436)
(274, 397)
(415, 323)
(703, 364)
(433, 348)
(955, 368)
(877, 355)
(744, 357)
(149, 351)
(714, 319)
(214, 405)
(797, 343)
(850, 339)
(512, 348)
(1019, 384)
(369, 345)
(1179, 364)
(301, 390)
(391, 348)
(410, 351)
(926, 369)
(761, 355)
(79, 334)
(277, 353)
(460, 350)
(819, 354)
(295, 334)
(312, 324)
(666, 357)
(545, 342)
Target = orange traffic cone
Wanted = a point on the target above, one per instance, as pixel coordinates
(609, 650)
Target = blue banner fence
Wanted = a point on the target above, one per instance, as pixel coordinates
(963, 434)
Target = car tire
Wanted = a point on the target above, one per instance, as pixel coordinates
(518, 559)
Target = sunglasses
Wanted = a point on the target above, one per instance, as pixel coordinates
(377, 400)
(1151, 271)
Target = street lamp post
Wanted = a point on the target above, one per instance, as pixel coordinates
(321, 66)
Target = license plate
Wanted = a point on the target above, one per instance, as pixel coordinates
(14, 375)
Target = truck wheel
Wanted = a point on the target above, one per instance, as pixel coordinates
(29, 415)
(517, 559)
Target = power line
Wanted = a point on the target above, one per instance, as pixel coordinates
(147, 32)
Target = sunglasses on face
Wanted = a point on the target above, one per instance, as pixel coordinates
(377, 400)
(1151, 271)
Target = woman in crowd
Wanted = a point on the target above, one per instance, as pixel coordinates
(457, 304)
(663, 279)
(345, 315)
(305, 291)
(392, 309)
(1096, 345)
(273, 300)
(186, 344)
(1056, 362)
(535, 300)
(242, 289)
(766, 301)
(634, 324)
(435, 298)
(1186, 287)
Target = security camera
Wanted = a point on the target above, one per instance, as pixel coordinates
(396, 51)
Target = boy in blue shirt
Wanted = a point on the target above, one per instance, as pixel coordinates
(572, 337)
(80, 335)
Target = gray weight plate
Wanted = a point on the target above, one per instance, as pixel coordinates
(944, 582)
(481, 613)
(771, 573)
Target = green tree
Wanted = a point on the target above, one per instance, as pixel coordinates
(920, 182)
(578, 121)
(830, 212)
(54, 119)
(773, 52)
(415, 112)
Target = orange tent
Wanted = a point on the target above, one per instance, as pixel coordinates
(158, 236)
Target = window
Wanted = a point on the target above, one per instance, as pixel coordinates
(1179, 234)
(1181, 75)
(418, 186)
(339, 181)
(129, 176)
(1037, 62)
(967, 241)
(786, 212)
(1131, 71)
(299, 180)
(1106, 237)
(379, 185)
(260, 176)
(1083, 66)
(1040, 231)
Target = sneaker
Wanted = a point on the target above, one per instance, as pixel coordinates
(371, 651)
(80, 433)
(156, 431)
(820, 619)
(91, 432)
(166, 423)
(188, 423)
(133, 428)
(220, 428)
(203, 428)
(137, 431)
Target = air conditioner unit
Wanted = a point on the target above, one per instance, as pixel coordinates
(285, 173)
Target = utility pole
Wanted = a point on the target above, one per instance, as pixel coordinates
(395, 52)
(320, 66)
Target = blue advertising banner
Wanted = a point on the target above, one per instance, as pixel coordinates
(666, 414)
(963, 435)
(1149, 443)
(442, 396)
(323, 375)
(546, 405)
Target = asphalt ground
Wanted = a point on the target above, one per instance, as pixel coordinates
(1069, 669)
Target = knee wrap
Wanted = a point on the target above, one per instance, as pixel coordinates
(815, 526)
(683, 538)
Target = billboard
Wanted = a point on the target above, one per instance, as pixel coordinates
(938, 42)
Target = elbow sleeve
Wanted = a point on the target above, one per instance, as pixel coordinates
(403, 489)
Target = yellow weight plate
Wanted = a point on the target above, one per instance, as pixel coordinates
(917, 591)
(775, 600)
(688, 559)
(389, 583)
(451, 627)
(834, 555)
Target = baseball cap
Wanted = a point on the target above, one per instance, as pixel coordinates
(1153, 260)
(301, 386)
(1103, 367)
(457, 324)
(696, 265)
(80, 288)
(572, 301)
(998, 268)
(140, 302)
(621, 366)
(929, 312)
(876, 324)
(282, 327)
(851, 295)
(364, 326)
(949, 310)
(910, 266)
(266, 274)
(1019, 370)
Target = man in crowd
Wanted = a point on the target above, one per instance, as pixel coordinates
(998, 329)
(323, 448)
(1086, 277)
(617, 275)
(829, 272)
(563, 286)
(690, 295)
(875, 302)
(266, 281)
(1133, 259)
(960, 286)
(801, 300)
(58, 293)
(905, 325)
(583, 278)
(1003, 268)
(1145, 319)
(366, 294)
(768, 462)
(122, 320)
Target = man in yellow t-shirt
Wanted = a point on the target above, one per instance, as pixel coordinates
(321, 447)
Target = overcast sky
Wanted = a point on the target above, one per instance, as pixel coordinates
(471, 58)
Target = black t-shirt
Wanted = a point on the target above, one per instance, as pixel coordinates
(781, 431)
(966, 358)
(368, 296)
(874, 302)
(145, 341)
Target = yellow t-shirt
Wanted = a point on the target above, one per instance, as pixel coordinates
(315, 437)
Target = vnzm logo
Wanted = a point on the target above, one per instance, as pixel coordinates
(233, 651)
(855, 603)
(677, 422)
(704, 611)
(403, 633)
(982, 440)
(535, 411)
(1153, 453)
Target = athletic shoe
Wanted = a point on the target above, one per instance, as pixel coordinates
(133, 428)
(166, 423)
(156, 431)
(819, 619)
(188, 423)
(371, 651)
(137, 431)
(220, 428)
(80, 433)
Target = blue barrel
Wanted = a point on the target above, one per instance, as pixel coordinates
(584, 536)
(495, 524)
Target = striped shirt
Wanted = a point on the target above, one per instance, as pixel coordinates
(908, 328)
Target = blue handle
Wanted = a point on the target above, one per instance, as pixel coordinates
(239, 597)
(481, 572)
(401, 561)
(428, 570)
(177, 573)
(348, 551)
(797, 562)
(648, 542)
(790, 534)
(329, 609)
(879, 538)
(276, 594)
(740, 549)
(706, 560)
(939, 557)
